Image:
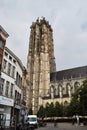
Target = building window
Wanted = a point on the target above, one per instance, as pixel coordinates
(60, 90)
(9, 69)
(19, 82)
(52, 91)
(4, 65)
(6, 54)
(20, 98)
(15, 95)
(10, 58)
(57, 90)
(67, 88)
(13, 71)
(14, 61)
(11, 90)
(7, 88)
(17, 78)
(24, 93)
(1, 45)
(1, 86)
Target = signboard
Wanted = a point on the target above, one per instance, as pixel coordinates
(1, 109)
(6, 101)
(17, 106)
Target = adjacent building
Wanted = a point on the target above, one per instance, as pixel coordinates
(64, 83)
(11, 98)
(3, 36)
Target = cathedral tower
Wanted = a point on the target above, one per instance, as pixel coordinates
(40, 62)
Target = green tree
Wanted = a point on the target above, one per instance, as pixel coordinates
(83, 98)
(78, 104)
(74, 107)
(41, 112)
(58, 109)
(51, 110)
(47, 110)
(30, 111)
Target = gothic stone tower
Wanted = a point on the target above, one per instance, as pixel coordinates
(40, 62)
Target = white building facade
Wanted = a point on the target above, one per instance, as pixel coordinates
(10, 86)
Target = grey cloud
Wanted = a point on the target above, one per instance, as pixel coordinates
(67, 18)
(84, 26)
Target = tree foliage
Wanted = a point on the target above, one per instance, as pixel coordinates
(77, 106)
(41, 112)
(30, 111)
(83, 98)
(58, 109)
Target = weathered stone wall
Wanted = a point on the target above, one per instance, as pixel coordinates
(61, 91)
(40, 62)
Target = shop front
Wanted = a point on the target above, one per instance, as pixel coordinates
(6, 105)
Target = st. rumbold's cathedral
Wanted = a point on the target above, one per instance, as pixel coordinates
(45, 84)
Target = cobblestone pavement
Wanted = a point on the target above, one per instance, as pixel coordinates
(63, 126)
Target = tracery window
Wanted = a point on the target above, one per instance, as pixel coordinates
(57, 90)
(52, 91)
(60, 90)
(67, 88)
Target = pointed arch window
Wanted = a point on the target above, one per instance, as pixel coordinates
(60, 89)
(52, 91)
(76, 86)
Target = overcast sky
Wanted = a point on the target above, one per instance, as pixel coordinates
(68, 19)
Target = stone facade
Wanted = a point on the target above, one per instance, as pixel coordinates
(64, 83)
(40, 62)
(44, 83)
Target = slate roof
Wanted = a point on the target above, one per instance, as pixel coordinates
(69, 73)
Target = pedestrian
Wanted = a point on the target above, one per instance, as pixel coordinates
(78, 122)
(55, 123)
(73, 120)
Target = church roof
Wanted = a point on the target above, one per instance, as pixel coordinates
(69, 73)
